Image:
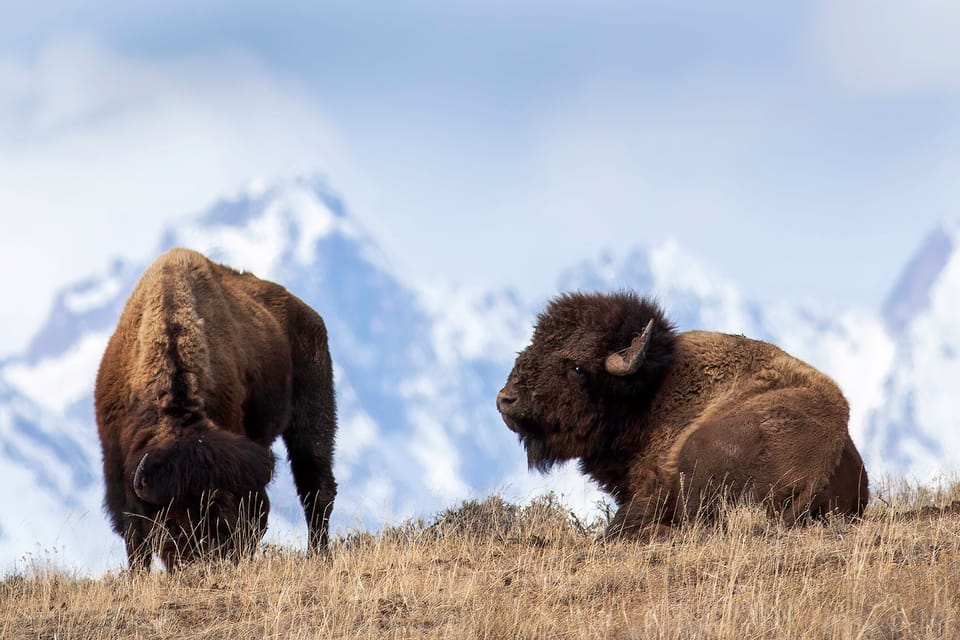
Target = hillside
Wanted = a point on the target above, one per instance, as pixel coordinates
(495, 570)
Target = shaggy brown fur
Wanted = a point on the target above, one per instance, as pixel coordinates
(666, 421)
(206, 368)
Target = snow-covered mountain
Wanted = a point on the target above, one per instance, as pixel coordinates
(416, 373)
(916, 431)
(418, 368)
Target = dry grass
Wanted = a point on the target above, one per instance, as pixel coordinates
(495, 570)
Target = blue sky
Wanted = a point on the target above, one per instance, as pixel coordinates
(802, 149)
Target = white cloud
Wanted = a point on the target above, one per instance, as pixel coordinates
(890, 46)
(99, 151)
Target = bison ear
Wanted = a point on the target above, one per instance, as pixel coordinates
(627, 361)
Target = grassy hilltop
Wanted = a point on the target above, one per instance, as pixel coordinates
(495, 570)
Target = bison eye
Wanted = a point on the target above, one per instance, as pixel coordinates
(577, 375)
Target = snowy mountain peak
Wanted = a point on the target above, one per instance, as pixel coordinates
(694, 296)
(265, 227)
(915, 433)
(80, 307)
(911, 295)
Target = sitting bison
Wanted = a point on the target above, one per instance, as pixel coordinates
(206, 368)
(666, 422)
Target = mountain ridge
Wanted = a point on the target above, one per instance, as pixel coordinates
(417, 368)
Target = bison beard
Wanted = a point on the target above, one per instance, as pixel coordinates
(207, 367)
(531, 437)
(538, 452)
(667, 421)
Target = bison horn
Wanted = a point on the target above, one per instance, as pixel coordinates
(627, 361)
(139, 483)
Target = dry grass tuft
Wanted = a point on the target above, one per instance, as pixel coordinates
(492, 569)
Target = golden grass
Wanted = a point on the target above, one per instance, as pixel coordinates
(495, 570)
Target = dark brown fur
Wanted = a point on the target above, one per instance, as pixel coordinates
(703, 414)
(207, 367)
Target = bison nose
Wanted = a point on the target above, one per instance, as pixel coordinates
(505, 401)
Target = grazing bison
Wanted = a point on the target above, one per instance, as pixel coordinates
(206, 368)
(666, 422)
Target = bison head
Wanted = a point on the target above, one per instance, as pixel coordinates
(595, 361)
(179, 471)
(206, 488)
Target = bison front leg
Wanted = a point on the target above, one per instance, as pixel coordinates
(644, 517)
(126, 518)
(136, 540)
(633, 530)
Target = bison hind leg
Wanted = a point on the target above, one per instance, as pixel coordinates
(847, 491)
(711, 465)
(311, 461)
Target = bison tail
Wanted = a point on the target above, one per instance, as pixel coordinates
(185, 470)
